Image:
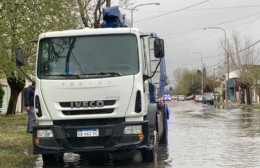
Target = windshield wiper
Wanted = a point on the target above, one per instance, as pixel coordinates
(102, 74)
(87, 75)
(67, 75)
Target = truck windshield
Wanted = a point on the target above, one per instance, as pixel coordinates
(88, 57)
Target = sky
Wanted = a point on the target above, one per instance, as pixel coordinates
(180, 23)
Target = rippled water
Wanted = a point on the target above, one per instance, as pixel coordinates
(215, 138)
(200, 136)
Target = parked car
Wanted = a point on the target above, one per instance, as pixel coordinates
(174, 97)
(208, 98)
(181, 97)
(198, 98)
(191, 97)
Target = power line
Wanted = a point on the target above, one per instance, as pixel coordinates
(216, 24)
(229, 7)
(233, 20)
(220, 8)
(173, 11)
(195, 38)
(249, 24)
(189, 30)
(237, 52)
(250, 46)
(218, 63)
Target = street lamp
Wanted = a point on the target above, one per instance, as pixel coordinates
(202, 74)
(227, 58)
(132, 9)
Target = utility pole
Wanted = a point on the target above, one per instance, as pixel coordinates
(227, 61)
(203, 78)
(214, 79)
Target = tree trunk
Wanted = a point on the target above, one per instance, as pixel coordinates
(16, 87)
(108, 3)
(82, 14)
(248, 96)
(242, 96)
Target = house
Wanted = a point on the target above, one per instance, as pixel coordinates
(235, 91)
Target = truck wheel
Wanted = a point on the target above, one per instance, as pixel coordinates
(49, 159)
(164, 138)
(148, 154)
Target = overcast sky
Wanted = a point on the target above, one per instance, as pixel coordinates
(181, 26)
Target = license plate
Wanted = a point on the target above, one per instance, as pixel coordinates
(87, 132)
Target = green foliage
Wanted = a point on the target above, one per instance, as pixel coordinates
(1, 96)
(22, 22)
(188, 82)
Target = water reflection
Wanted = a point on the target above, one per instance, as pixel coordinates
(216, 138)
(115, 161)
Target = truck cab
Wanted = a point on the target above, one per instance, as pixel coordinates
(92, 93)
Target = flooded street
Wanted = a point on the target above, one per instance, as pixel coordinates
(199, 136)
(206, 137)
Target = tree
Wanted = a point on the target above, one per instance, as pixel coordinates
(187, 82)
(1, 96)
(22, 21)
(242, 59)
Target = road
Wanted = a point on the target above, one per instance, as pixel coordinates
(200, 136)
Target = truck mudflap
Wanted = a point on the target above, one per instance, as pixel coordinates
(89, 138)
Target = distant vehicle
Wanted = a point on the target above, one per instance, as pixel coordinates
(198, 98)
(208, 98)
(191, 97)
(181, 98)
(174, 97)
(167, 97)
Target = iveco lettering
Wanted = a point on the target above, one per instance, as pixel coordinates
(87, 104)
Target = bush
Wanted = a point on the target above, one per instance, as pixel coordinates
(1, 96)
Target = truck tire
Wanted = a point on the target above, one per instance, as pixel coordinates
(148, 154)
(164, 138)
(49, 159)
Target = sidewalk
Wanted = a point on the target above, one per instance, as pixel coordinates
(237, 104)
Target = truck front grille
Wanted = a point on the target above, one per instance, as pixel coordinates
(84, 112)
(106, 103)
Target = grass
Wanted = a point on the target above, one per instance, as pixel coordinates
(238, 104)
(15, 142)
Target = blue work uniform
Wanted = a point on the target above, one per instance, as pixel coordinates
(29, 101)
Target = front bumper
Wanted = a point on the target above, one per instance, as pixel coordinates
(111, 137)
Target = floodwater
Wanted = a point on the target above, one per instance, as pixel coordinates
(200, 136)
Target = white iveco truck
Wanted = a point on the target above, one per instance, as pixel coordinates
(95, 92)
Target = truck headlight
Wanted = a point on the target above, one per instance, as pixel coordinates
(45, 133)
(134, 129)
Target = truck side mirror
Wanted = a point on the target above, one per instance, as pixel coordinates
(158, 48)
(20, 60)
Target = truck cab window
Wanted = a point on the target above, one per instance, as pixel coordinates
(87, 55)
